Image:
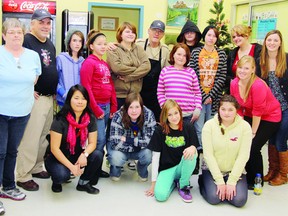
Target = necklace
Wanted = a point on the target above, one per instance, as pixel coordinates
(208, 50)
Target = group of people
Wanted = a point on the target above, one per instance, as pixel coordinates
(116, 104)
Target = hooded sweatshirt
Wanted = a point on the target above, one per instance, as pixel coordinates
(69, 74)
(190, 27)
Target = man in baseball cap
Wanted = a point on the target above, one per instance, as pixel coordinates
(157, 24)
(41, 14)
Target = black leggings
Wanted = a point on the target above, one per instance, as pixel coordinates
(255, 163)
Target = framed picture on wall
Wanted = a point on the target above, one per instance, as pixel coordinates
(108, 23)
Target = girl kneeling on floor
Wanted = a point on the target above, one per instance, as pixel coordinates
(227, 140)
(174, 154)
(72, 148)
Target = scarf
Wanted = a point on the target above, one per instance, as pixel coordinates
(83, 131)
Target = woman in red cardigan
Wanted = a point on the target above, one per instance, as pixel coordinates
(259, 107)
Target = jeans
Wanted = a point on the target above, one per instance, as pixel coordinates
(11, 133)
(205, 115)
(165, 180)
(208, 189)
(117, 159)
(101, 127)
(279, 139)
(60, 173)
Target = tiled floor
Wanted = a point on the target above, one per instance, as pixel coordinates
(126, 198)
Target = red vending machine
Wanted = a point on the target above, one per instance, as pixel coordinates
(23, 10)
(83, 21)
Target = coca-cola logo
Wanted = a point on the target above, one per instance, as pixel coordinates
(13, 5)
(31, 6)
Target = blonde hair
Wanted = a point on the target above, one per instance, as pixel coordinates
(169, 104)
(12, 23)
(242, 30)
(250, 60)
(281, 65)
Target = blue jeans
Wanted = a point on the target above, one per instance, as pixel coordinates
(117, 159)
(11, 133)
(279, 139)
(205, 115)
(101, 127)
(60, 173)
(208, 189)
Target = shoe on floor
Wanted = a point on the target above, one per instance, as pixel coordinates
(184, 193)
(143, 179)
(114, 178)
(103, 174)
(41, 175)
(2, 209)
(56, 188)
(14, 194)
(88, 188)
(131, 165)
(29, 185)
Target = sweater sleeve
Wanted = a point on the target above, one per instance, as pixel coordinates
(155, 165)
(116, 131)
(60, 87)
(113, 100)
(208, 153)
(243, 154)
(196, 90)
(143, 68)
(161, 88)
(117, 64)
(86, 76)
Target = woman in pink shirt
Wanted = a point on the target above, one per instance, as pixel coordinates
(259, 107)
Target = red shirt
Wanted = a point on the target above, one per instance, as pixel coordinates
(234, 65)
(96, 78)
(260, 101)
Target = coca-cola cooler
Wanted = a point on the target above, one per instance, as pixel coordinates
(23, 10)
(82, 21)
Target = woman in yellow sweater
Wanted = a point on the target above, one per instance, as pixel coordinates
(226, 146)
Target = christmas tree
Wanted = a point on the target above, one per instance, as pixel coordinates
(224, 41)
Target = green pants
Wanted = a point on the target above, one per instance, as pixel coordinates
(165, 181)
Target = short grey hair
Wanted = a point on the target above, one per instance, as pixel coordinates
(12, 23)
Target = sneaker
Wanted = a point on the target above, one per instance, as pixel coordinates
(2, 209)
(14, 194)
(143, 179)
(114, 178)
(185, 193)
(56, 188)
(131, 165)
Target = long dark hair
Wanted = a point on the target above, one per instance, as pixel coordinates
(125, 117)
(230, 99)
(67, 105)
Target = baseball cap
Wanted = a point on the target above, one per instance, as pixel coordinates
(157, 24)
(41, 14)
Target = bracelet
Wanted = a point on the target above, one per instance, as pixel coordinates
(85, 154)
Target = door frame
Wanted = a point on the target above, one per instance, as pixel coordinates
(125, 6)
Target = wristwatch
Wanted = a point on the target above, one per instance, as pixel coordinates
(86, 154)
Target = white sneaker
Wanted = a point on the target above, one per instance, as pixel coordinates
(143, 179)
(114, 178)
(131, 165)
(2, 209)
(14, 194)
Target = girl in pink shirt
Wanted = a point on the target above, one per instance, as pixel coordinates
(259, 107)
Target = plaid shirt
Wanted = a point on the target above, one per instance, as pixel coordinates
(142, 139)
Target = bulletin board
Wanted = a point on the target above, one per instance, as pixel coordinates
(263, 16)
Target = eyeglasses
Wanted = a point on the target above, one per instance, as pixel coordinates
(158, 31)
(15, 32)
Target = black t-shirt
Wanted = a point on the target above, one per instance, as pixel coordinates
(48, 80)
(173, 144)
(60, 125)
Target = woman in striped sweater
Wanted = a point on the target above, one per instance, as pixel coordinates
(180, 83)
(210, 65)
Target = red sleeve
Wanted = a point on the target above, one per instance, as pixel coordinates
(86, 77)
(113, 101)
